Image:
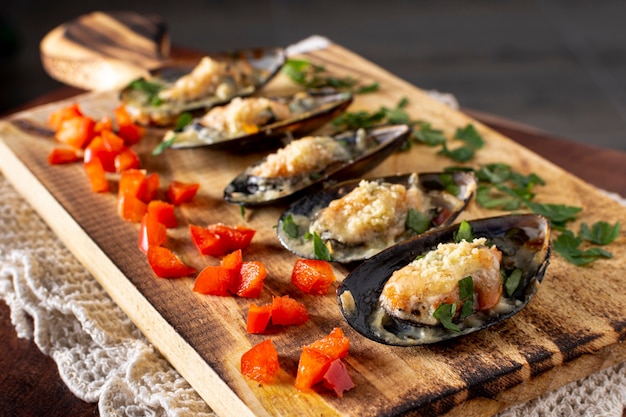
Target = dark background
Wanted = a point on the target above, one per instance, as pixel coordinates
(558, 65)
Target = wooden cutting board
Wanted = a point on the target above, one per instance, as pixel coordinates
(573, 327)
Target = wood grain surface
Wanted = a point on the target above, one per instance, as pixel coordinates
(570, 329)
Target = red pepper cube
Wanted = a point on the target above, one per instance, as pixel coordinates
(237, 237)
(258, 318)
(96, 175)
(151, 233)
(166, 264)
(286, 311)
(214, 280)
(59, 156)
(206, 242)
(260, 363)
(335, 345)
(312, 366)
(163, 212)
(76, 132)
(57, 117)
(126, 159)
(251, 277)
(337, 378)
(312, 276)
(181, 192)
(98, 150)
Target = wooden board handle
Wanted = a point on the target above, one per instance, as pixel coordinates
(105, 50)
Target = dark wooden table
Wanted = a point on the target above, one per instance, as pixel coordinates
(30, 381)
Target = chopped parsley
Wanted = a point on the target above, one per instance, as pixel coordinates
(315, 76)
(417, 221)
(151, 90)
(320, 249)
(600, 233)
(511, 283)
(290, 227)
(568, 245)
(464, 232)
(183, 120)
(466, 293)
(445, 313)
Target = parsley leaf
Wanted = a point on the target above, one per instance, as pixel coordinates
(466, 293)
(424, 133)
(151, 90)
(320, 249)
(512, 281)
(558, 214)
(470, 136)
(158, 150)
(445, 313)
(417, 221)
(315, 76)
(568, 246)
(601, 233)
(290, 227)
(464, 232)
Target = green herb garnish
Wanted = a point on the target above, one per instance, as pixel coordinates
(473, 142)
(417, 221)
(558, 214)
(150, 89)
(568, 246)
(242, 211)
(183, 120)
(512, 282)
(600, 233)
(320, 249)
(315, 76)
(466, 293)
(290, 227)
(445, 313)
(464, 232)
(158, 150)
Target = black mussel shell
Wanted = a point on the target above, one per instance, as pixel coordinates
(380, 142)
(525, 244)
(450, 192)
(140, 100)
(311, 111)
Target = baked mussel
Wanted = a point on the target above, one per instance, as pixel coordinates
(310, 162)
(257, 123)
(448, 282)
(187, 85)
(356, 219)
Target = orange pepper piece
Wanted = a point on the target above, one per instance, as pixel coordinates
(63, 156)
(126, 159)
(181, 192)
(57, 117)
(260, 363)
(76, 132)
(151, 233)
(251, 277)
(286, 311)
(163, 212)
(312, 276)
(166, 264)
(258, 318)
(215, 280)
(96, 175)
(207, 243)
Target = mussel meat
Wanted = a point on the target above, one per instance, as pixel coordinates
(255, 123)
(313, 160)
(447, 282)
(185, 86)
(357, 219)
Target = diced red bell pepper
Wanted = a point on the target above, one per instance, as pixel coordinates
(312, 276)
(181, 192)
(335, 345)
(316, 358)
(132, 182)
(58, 116)
(126, 159)
(258, 318)
(337, 378)
(127, 129)
(163, 212)
(103, 124)
(76, 132)
(251, 277)
(215, 280)
(166, 264)
(312, 366)
(98, 150)
(64, 156)
(151, 233)
(260, 363)
(131, 208)
(96, 175)
(150, 187)
(238, 237)
(112, 142)
(233, 260)
(286, 311)
(207, 243)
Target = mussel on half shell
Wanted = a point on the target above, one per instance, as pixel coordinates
(309, 162)
(256, 123)
(356, 219)
(182, 86)
(523, 241)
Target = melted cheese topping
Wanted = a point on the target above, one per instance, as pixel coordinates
(244, 115)
(371, 211)
(208, 77)
(307, 155)
(415, 291)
